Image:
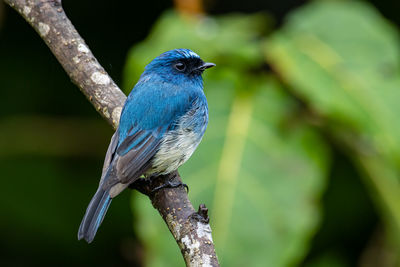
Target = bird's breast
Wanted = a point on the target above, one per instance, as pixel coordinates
(179, 144)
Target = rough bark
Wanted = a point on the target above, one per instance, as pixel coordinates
(51, 23)
(190, 229)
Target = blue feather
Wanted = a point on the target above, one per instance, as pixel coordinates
(94, 215)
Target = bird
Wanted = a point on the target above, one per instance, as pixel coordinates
(162, 122)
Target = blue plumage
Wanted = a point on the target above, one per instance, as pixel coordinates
(161, 124)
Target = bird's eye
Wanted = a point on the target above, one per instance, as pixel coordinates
(180, 66)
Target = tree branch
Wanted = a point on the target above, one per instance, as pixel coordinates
(51, 23)
(189, 228)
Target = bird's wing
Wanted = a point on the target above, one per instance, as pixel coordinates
(147, 115)
(135, 152)
(109, 155)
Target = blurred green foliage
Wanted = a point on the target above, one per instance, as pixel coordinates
(342, 58)
(263, 163)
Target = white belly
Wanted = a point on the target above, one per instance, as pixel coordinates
(175, 149)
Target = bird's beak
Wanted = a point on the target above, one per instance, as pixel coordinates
(206, 65)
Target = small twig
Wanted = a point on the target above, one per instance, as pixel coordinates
(189, 228)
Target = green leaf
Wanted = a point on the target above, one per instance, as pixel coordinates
(342, 58)
(260, 174)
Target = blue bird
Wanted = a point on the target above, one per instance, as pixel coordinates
(163, 121)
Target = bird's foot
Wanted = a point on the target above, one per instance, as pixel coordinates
(149, 185)
(170, 184)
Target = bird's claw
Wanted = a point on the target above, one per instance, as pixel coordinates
(170, 184)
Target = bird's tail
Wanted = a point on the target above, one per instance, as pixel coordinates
(94, 214)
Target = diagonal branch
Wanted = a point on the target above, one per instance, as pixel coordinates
(51, 23)
(190, 229)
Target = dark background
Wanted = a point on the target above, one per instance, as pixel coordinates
(50, 159)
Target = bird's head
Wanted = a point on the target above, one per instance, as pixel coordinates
(176, 66)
